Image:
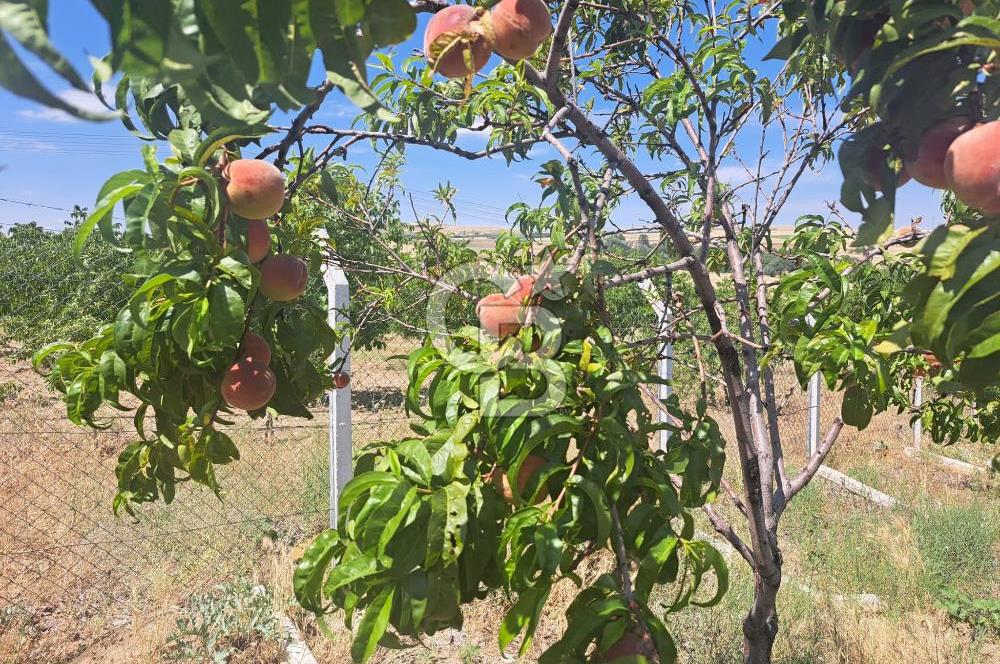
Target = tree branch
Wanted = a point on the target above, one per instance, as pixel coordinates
(559, 38)
(802, 479)
(650, 272)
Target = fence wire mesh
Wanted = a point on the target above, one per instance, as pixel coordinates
(65, 559)
(67, 564)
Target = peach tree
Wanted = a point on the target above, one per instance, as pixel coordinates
(944, 54)
(531, 447)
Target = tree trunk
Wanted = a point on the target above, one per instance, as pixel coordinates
(760, 627)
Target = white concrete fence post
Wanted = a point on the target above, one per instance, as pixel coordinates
(812, 397)
(666, 363)
(812, 432)
(918, 401)
(341, 447)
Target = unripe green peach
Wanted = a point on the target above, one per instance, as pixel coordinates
(256, 188)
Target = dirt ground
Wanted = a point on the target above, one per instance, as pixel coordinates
(78, 584)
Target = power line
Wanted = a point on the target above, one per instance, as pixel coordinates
(38, 205)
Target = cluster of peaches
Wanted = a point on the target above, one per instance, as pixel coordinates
(503, 314)
(962, 157)
(256, 191)
(459, 39)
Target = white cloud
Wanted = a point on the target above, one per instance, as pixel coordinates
(338, 110)
(86, 101)
(733, 174)
(16, 144)
(478, 134)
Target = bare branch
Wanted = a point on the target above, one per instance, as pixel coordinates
(559, 39)
(650, 272)
(807, 473)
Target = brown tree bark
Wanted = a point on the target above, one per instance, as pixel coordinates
(760, 627)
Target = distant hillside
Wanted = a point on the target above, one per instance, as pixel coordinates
(484, 237)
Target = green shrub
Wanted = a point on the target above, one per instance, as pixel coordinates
(233, 618)
(47, 295)
(983, 615)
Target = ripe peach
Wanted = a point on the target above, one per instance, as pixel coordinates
(873, 171)
(520, 27)
(972, 167)
(283, 278)
(522, 289)
(255, 348)
(341, 380)
(529, 469)
(499, 315)
(248, 385)
(258, 240)
(451, 29)
(256, 188)
(629, 645)
(927, 165)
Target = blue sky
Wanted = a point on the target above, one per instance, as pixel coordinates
(54, 160)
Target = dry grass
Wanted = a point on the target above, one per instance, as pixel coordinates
(78, 585)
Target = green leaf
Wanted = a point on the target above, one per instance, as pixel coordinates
(102, 209)
(141, 31)
(601, 513)
(390, 21)
(227, 312)
(26, 24)
(346, 573)
(234, 23)
(664, 551)
(713, 560)
(344, 56)
(18, 79)
(308, 577)
(788, 44)
(362, 484)
(223, 135)
(449, 516)
(373, 625)
(523, 617)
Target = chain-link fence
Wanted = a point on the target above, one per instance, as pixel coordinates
(67, 563)
(71, 573)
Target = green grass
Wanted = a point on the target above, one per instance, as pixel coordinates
(959, 546)
(845, 550)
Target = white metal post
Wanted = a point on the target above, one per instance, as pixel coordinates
(666, 364)
(918, 401)
(666, 372)
(812, 433)
(812, 395)
(339, 297)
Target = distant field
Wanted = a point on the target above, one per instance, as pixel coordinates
(484, 237)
